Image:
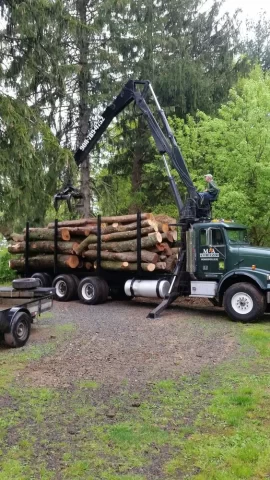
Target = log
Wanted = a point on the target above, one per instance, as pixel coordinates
(17, 237)
(170, 263)
(147, 267)
(43, 247)
(129, 245)
(166, 219)
(147, 257)
(110, 237)
(84, 244)
(133, 226)
(82, 231)
(126, 235)
(75, 223)
(175, 250)
(163, 227)
(161, 265)
(166, 249)
(85, 265)
(110, 220)
(169, 236)
(110, 265)
(46, 234)
(44, 261)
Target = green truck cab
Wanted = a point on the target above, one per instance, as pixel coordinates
(228, 270)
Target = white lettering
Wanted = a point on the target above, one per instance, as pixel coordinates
(92, 132)
(207, 254)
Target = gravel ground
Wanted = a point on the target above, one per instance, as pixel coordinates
(115, 343)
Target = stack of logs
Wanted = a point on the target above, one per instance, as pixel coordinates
(77, 244)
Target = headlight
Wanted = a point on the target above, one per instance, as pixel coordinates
(268, 278)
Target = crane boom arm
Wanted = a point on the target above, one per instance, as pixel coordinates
(165, 143)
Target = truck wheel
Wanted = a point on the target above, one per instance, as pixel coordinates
(244, 302)
(91, 290)
(65, 288)
(44, 278)
(19, 330)
(25, 283)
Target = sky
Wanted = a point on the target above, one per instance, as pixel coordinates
(250, 8)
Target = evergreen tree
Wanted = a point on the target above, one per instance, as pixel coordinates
(189, 57)
(257, 42)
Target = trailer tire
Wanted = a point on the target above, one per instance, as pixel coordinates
(25, 283)
(19, 330)
(77, 282)
(105, 289)
(244, 302)
(91, 290)
(44, 278)
(65, 287)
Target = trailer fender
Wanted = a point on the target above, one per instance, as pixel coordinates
(235, 277)
(13, 312)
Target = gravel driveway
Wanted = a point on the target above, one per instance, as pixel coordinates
(116, 344)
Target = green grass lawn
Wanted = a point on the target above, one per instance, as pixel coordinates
(212, 426)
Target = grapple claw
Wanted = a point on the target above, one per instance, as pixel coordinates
(67, 194)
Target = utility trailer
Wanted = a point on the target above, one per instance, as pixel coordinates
(19, 306)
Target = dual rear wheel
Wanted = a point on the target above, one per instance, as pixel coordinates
(90, 290)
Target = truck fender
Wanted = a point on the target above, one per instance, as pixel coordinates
(240, 273)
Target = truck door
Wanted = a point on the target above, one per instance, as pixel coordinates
(212, 253)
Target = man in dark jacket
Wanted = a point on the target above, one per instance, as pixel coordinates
(211, 193)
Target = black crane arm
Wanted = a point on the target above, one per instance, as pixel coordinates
(165, 143)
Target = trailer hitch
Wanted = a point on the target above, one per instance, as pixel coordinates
(67, 195)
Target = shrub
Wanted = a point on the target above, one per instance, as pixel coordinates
(6, 274)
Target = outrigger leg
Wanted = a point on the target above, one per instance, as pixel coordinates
(174, 290)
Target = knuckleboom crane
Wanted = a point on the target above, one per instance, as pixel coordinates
(191, 210)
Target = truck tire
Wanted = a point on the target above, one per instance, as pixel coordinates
(45, 279)
(65, 287)
(25, 283)
(77, 282)
(244, 302)
(19, 330)
(91, 290)
(105, 290)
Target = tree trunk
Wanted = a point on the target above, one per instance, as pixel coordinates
(84, 112)
(147, 257)
(46, 234)
(44, 261)
(137, 164)
(43, 247)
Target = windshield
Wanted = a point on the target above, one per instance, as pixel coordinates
(237, 236)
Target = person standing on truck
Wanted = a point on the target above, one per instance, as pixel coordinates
(212, 191)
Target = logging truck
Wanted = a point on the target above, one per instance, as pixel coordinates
(208, 259)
